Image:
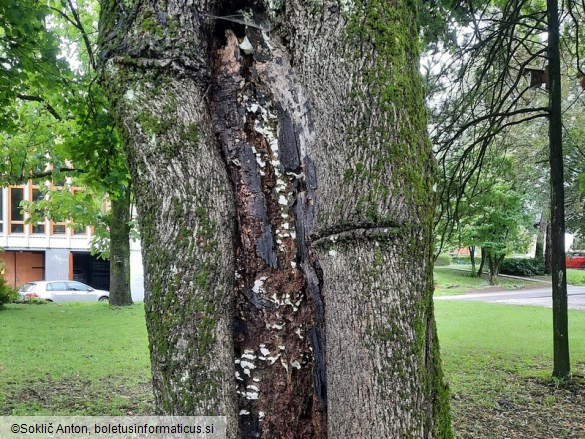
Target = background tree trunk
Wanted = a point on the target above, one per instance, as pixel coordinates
(540, 237)
(120, 293)
(481, 263)
(562, 365)
(547, 250)
(303, 125)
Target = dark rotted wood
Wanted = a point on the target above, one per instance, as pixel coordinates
(288, 147)
(277, 287)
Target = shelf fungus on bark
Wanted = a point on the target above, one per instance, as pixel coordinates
(278, 329)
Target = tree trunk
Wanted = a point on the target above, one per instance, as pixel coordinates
(562, 366)
(492, 261)
(120, 294)
(547, 250)
(481, 263)
(472, 256)
(283, 175)
(540, 237)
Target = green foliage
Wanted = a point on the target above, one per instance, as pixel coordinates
(494, 214)
(30, 56)
(575, 168)
(443, 260)
(523, 266)
(7, 293)
(436, 20)
(60, 129)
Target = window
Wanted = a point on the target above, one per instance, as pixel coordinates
(59, 229)
(16, 214)
(78, 229)
(57, 286)
(27, 288)
(37, 195)
(78, 286)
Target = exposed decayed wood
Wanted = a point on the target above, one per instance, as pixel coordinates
(278, 337)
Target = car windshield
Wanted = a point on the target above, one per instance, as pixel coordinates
(27, 287)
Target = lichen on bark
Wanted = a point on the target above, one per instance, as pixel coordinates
(334, 86)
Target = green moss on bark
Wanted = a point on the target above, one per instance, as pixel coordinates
(391, 84)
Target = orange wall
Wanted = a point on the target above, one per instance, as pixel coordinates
(22, 267)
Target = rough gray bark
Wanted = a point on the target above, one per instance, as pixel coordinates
(284, 180)
(158, 86)
(120, 293)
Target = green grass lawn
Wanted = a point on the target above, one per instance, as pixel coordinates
(478, 336)
(450, 281)
(498, 362)
(575, 277)
(91, 359)
(73, 359)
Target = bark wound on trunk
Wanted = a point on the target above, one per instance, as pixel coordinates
(262, 123)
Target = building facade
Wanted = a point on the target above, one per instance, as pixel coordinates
(49, 250)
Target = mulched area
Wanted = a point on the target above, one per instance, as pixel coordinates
(526, 408)
(72, 396)
(530, 408)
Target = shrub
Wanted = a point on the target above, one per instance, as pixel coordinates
(7, 293)
(443, 260)
(523, 266)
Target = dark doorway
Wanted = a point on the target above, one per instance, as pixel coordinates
(91, 271)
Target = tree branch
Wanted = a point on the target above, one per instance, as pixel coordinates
(48, 106)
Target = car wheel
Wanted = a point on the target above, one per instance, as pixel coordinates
(103, 299)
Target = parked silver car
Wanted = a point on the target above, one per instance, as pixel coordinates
(63, 291)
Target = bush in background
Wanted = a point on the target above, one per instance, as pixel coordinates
(443, 260)
(7, 293)
(523, 266)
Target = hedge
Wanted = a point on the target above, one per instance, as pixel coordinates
(523, 266)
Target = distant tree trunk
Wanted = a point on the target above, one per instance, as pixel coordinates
(494, 263)
(472, 256)
(562, 367)
(283, 174)
(120, 294)
(547, 250)
(482, 262)
(539, 252)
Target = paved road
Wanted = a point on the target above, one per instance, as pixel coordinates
(540, 296)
